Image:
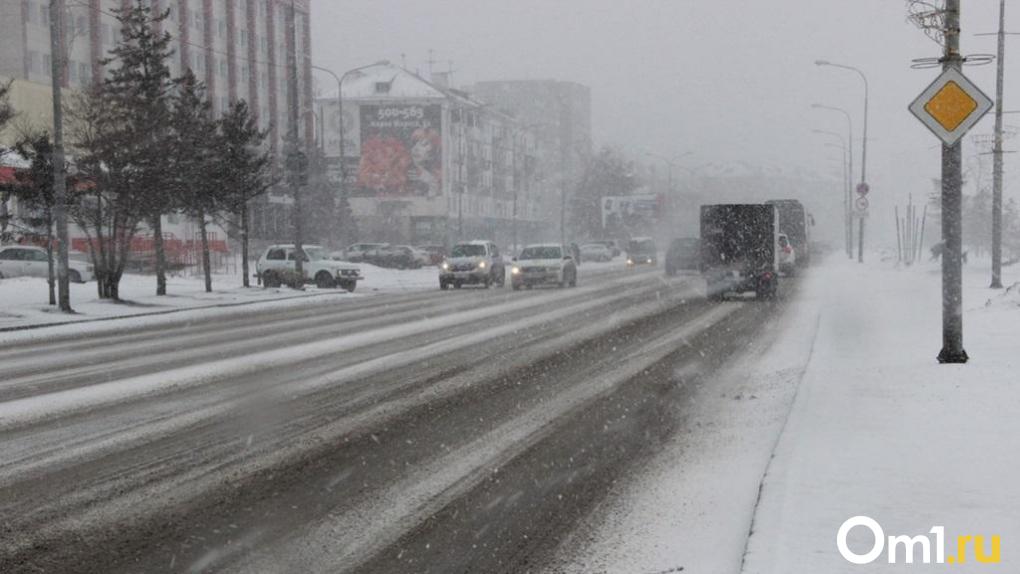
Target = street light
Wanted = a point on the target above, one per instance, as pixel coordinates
(340, 104)
(847, 220)
(864, 145)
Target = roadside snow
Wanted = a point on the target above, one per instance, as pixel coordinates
(880, 429)
(23, 300)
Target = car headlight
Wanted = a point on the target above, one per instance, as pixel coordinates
(515, 270)
(630, 261)
(445, 266)
(481, 265)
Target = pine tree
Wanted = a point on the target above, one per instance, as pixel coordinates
(197, 189)
(139, 87)
(246, 171)
(34, 191)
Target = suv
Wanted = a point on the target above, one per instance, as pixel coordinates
(30, 261)
(474, 262)
(543, 264)
(277, 265)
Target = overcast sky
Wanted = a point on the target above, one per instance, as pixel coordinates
(731, 80)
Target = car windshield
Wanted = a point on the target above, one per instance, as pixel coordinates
(542, 252)
(642, 246)
(468, 250)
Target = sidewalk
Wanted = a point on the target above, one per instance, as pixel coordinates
(878, 428)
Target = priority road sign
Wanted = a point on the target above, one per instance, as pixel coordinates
(950, 106)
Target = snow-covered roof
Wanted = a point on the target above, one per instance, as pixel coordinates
(403, 84)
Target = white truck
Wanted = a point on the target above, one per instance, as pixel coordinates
(278, 266)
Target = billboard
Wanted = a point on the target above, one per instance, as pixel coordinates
(401, 151)
(630, 211)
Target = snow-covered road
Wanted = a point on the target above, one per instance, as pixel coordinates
(306, 437)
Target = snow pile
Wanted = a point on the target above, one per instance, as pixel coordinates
(1008, 299)
(880, 429)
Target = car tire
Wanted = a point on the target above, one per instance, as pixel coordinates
(73, 276)
(324, 280)
(487, 283)
(349, 286)
(444, 285)
(270, 280)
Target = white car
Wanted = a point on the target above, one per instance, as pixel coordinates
(473, 263)
(787, 255)
(274, 265)
(596, 252)
(29, 261)
(547, 264)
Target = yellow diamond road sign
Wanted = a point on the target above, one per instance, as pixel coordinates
(950, 106)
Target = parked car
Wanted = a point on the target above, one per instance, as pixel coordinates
(402, 257)
(364, 252)
(30, 261)
(436, 253)
(642, 251)
(596, 252)
(787, 256)
(548, 264)
(612, 244)
(473, 263)
(684, 254)
(278, 265)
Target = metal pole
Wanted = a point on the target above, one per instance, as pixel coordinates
(899, 241)
(997, 157)
(952, 183)
(293, 152)
(59, 177)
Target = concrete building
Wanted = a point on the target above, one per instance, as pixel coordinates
(239, 48)
(425, 163)
(559, 112)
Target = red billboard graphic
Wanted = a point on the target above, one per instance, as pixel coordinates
(401, 150)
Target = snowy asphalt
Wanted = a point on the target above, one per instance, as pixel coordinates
(429, 432)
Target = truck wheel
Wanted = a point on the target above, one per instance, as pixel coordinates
(444, 285)
(324, 280)
(74, 277)
(457, 284)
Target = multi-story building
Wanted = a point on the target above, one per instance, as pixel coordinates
(240, 49)
(559, 112)
(426, 163)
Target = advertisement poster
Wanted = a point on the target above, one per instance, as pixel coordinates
(401, 151)
(631, 211)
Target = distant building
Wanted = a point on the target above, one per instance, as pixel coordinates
(238, 48)
(425, 163)
(559, 112)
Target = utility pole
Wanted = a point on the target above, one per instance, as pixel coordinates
(997, 157)
(296, 161)
(59, 176)
(952, 183)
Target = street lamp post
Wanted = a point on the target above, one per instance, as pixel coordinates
(848, 222)
(847, 184)
(864, 147)
(670, 164)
